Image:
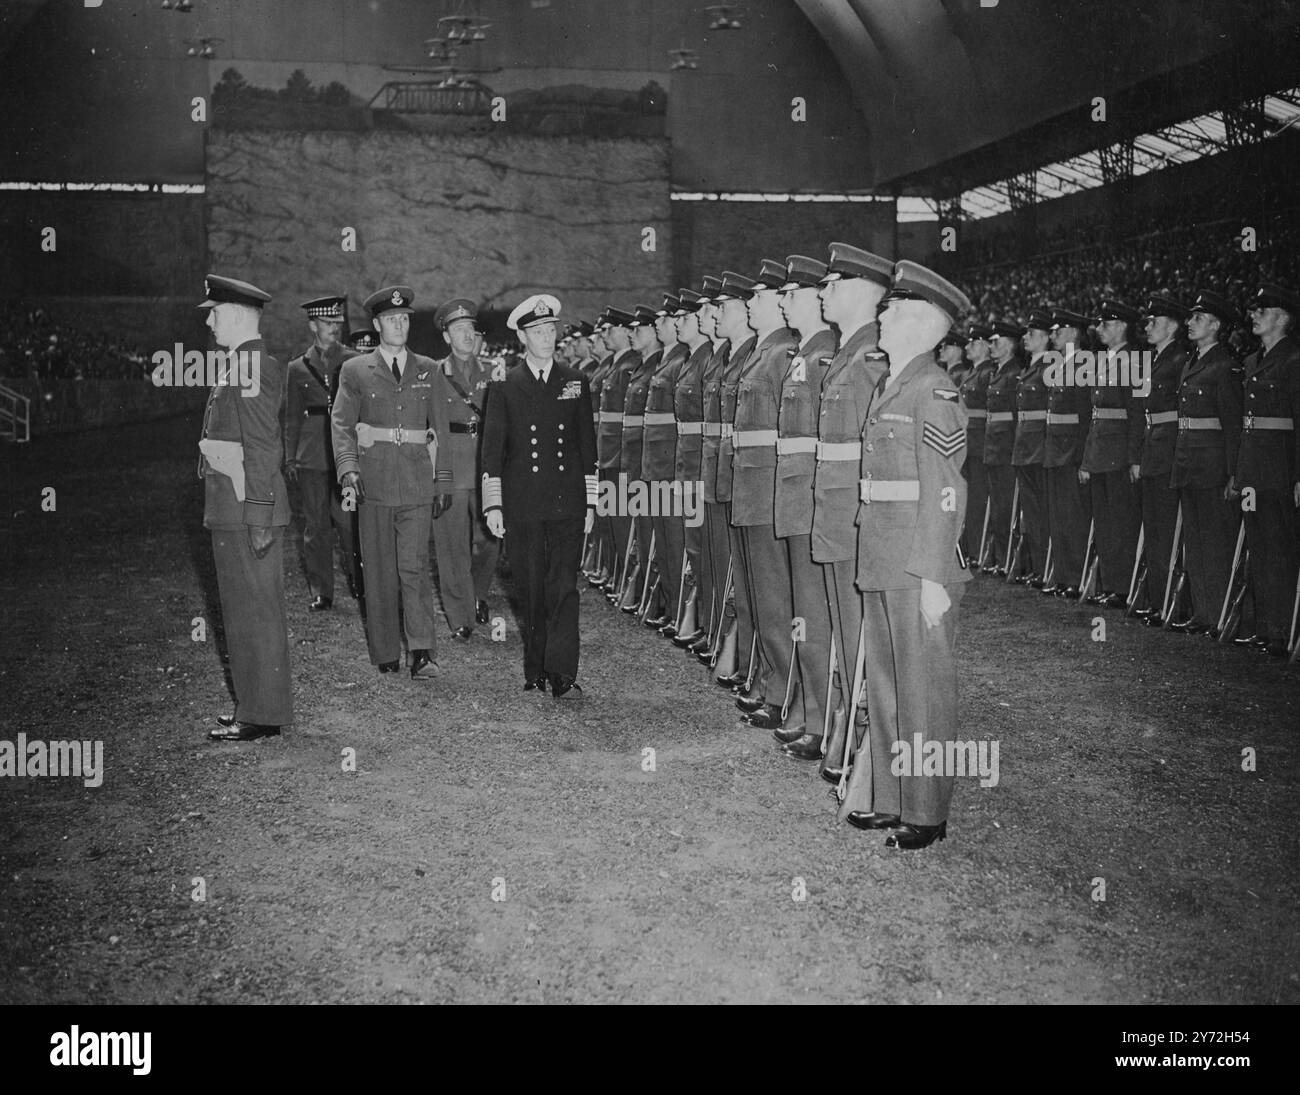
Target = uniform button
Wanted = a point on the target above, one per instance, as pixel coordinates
(535, 468)
(871, 448)
(532, 428)
(561, 425)
(874, 421)
(561, 467)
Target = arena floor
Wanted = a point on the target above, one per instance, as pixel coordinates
(1119, 760)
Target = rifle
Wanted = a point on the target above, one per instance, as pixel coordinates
(850, 729)
(620, 571)
(1293, 640)
(982, 556)
(1011, 529)
(1177, 579)
(647, 589)
(1139, 571)
(1087, 557)
(681, 588)
(727, 587)
(1047, 564)
(1230, 612)
(830, 686)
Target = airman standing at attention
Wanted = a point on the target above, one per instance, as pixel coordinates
(1069, 412)
(609, 430)
(466, 552)
(851, 291)
(1205, 457)
(309, 454)
(974, 389)
(952, 356)
(1027, 450)
(645, 339)
(1269, 462)
(390, 425)
(796, 463)
(999, 440)
(603, 537)
(908, 568)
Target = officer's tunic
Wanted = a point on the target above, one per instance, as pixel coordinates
(1159, 500)
(999, 440)
(1027, 458)
(397, 479)
(251, 589)
(914, 502)
(658, 467)
(604, 531)
(539, 467)
(1205, 454)
(1269, 461)
(1069, 416)
(1114, 445)
(466, 552)
(308, 450)
(792, 510)
(767, 559)
(846, 393)
(974, 396)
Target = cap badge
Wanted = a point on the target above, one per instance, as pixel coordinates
(397, 298)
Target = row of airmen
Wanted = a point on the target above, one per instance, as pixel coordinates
(1169, 490)
(741, 408)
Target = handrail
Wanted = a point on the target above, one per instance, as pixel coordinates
(15, 412)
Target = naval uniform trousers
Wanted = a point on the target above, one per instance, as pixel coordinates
(252, 616)
(771, 604)
(399, 588)
(545, 558)
(1210, 524)
(1159, 517)
(323, 514)
(1002, 488)
(911, 679)
(810, 603)
(1117, 510)
(1033, 508)
(467, 558)
(1274, 560)
(1067, 516)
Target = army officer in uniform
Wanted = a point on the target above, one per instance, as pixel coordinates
(539, 487)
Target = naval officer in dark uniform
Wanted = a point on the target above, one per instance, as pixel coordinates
(539, 486)
(246, 507)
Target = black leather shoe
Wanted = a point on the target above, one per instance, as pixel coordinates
(1071, 592)
(1188, 627)
(389, 667)
(423, 667)
(1250, 640)
(729, 682)
(562, 685)
(1035, 581)
(655, 621)
(538, 683)
(243, 731)
(669, 630)
(226, 720)
(705, 657)
(462, 633)
(481, 611)
(748, 704)
(1049, 591)
(859, 820)
(766, 717)
(807, 747)
(1113, 600)
(830, 774)
(690, 640)
(913, 837)
(320, 604)
(786, 735)
(1153, 619)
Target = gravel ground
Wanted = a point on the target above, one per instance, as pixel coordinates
(1119, 760)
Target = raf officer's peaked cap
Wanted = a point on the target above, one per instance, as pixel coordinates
(619, 318)
(1064, 317)
(1039, 320)
(690, 300)
(771, 275)
(802, 272)
(847, 261)
(672, 305)
(395, 298)
(1273, 295)
(1114, 309)
(1165, 306)
(1004, 329)
(1215, 305)
(645, 317)
(219, 290)
(735, 287)
(539, 308)
(979, 332)
(363, 340)
(710, 287)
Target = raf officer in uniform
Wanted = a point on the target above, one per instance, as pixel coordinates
(1032, 397)
(539, 487)
(952, 356)
(246, 508)
(999, 439)
(1069, 414)
(913, 501)
(974, 388)
(466, 553)
(390, 424)
(309, 454)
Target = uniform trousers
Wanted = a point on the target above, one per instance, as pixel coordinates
(1210, 524)
(846, 621)
(694, 537)
(1067, 517)
(546, 556)
(644, 532)
(746, 622)
(467, 558)
(670, 536)
(767, 571)
(1033, 508)
(252, 616)
(321, 509)
(716, 554)
(399, 589)
(1117, 513)
(1002, 488)
(1159, 518)
(1271, 538)
(911, 680)
(811, 604)
(977, 496)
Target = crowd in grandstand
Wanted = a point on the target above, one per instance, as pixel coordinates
(37, 347)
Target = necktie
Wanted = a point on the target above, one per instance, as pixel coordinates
(397, 373)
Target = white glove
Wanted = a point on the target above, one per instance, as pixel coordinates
(589, 523)
(934, 602)
(495, 524)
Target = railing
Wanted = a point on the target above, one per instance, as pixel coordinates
(15, 415)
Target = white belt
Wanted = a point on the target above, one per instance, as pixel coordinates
(711, 429)
(1054, 419)
(1033, 416)
(788, 446)
(610, 416)
(1199, 424)
(1161, 418)
(976, 413)
(1001, 416)
(728, 429)
(367, 435)
(889, 490)
(687, 429)
(660, 418)
(633, 420)
(1259, 422)
(749, 439)
(1109, 412)
(828, 451)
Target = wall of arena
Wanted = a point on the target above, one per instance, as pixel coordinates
(490, 218)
